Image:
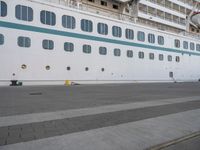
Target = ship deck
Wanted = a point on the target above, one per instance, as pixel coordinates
(111, 116)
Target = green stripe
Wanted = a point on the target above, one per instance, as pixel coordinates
(88, 37)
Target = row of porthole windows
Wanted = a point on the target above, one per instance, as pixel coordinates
(25, 13)
(68, 68)
(186, 45)
(69, 47)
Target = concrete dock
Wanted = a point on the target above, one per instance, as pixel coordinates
(101, 117)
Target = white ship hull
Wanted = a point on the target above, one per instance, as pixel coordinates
(115, 69)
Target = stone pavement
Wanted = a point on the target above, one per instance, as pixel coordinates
(135, 123)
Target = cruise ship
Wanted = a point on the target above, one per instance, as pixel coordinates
(99, 41)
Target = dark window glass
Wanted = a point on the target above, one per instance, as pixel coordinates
(169, 57)
(116, 31)
(87, 49)
(161, 57)
(141, 36)
(141, 55)
(129, 53)
(68, 47)
(161, 40)
(48, 44)
(86, 25)
(1, 39)
(47, 17)
(68, 22)
(177, 43)
(3, 9)
(102, 50)
(102, 28)
(115, 6)
(103, 3)
(177, 59)
(151, 38)
(117, 52)
(185, 44)
(151, 56)
(198, 47)
(24, 41)
(129, 34)
(192, 47)
(24, 13)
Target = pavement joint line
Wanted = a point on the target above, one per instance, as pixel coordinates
(174, 142)
(47, 116)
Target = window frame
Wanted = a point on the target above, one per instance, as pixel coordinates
(102, 50)
(117, 52)
(23, 41)
(151, 38)
(49, 43)
(161, 42)
(24, 13)
(68, 46)
(3, 12)
(129, 53)
(102, 28)
(86, 25)
(116, 31)
(44, 14)
(141, 36)
(2, 39)
(129, 34)
(68, 22)
(87, 49)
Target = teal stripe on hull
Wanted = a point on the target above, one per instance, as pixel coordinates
(88, 37)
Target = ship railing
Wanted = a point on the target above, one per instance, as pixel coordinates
(184, 33)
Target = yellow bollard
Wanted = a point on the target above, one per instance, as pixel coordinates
(67, 82)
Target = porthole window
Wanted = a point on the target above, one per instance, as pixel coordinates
(161, 40)
(177, 59)
(141, 36)
(129, 53)
(129, 34)
(68, 22)
(87, 49)
(24, 13)
(68, 68)
(3, 9)
(192, 46)
(86, 68)
(48, 67)
(1, 39)
(102, 69)
(169, 57)
(116, 31)
(102, 50)
(48, 18)
(151, 56)
(68, 47)
(102, 28)
(48, 44)
(141, 55)
(24, 41)
(185, 44)
(23, 66)
(151, 38)
(161, 57)
(177, 43)
(86, 25)
(117, 52)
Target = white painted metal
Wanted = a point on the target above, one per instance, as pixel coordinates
(117, 69)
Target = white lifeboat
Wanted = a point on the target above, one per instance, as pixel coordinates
(195, 18)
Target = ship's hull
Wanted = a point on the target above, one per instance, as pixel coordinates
(35, 65)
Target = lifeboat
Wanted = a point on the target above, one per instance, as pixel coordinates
(195, 18)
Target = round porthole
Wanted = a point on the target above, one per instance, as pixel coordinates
(86, 68)
(47, 67)
(68, 68)
(23, 66)
(102, 69)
